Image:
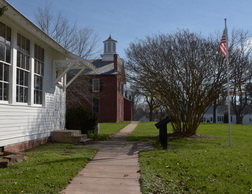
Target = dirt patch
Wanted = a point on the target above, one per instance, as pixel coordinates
(197, 136)
(202, 136)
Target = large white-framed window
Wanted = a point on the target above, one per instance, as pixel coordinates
(5, 59)
(38, 74)
(23, 68)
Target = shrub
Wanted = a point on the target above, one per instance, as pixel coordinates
(81, 118)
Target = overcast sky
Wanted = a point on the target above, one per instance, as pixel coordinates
(129, 20)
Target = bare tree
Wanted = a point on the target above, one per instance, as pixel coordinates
(147, 97)
(242, 73)
(184, 71)
(80, 92)
(81, 42)
(248, 90)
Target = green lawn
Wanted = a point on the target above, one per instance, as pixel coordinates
(198, 165)
(145, 131)
(108, 129)
(49, 169)
(112, 128)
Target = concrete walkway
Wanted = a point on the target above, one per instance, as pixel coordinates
(114, 169)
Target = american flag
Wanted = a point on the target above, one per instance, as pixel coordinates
(223, 43)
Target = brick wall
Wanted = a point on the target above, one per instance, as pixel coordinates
(18, 147)
(128, 110)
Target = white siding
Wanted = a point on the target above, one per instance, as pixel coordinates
(23, 122)
(247, 119)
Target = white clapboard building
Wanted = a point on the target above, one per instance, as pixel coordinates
(33, 83)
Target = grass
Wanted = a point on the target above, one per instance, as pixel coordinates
(145, 131)
(49, 169)
(198, 165)
(112, 128)
(107, 129)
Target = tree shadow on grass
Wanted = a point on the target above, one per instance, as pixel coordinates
(143, 138)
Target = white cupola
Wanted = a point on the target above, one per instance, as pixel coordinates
(109, 49)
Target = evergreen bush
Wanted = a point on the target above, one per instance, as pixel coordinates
(81, 118)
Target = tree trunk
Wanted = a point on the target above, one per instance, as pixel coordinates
(151, 114)
(239, 119)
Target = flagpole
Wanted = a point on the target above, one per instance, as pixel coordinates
(228, 89)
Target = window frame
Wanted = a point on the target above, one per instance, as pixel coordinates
(23, 69)
(5, 42)
(39, 65)
(96, 85)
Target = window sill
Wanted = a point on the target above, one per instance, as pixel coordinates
(21, 104)
(4, 102)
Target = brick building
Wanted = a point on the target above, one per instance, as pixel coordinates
(105, 91)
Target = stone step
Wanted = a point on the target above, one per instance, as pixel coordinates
(69, 136)
(64, 135)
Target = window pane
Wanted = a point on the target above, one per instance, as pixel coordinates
(1, 91)
(2, 51)
(36, 66)
(27, 62)
(6, 91)
(96, 85)
(26, 79)
(19, 97)
(27, 47)
(23, 41)
(1, 71)
(18, 76)
(23, 66)
(38, 83)
(17, 93)
(18, 59)
(37, 97)
(6, 73)
(21, 78)
(5, 38)
(23, 62)
(8, 36)
(8, 54)
(25, 94)
(38, 78)
(2, 31)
